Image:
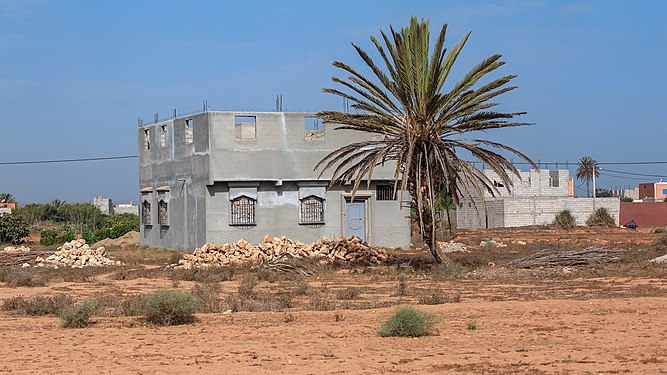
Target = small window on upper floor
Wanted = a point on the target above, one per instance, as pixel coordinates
(245, 127)
(314, 128)
(164, 135)
(385, 193)
(553, 179)
(188, 131)
(147, 141)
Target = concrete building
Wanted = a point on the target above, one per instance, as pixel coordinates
(653, 191)
(7, 207)
(104, 204)
(534, 199)
(224, 176)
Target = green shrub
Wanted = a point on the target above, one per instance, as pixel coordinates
(66, 236)
(660, 230)
(78, 316)
(48, 237)
(565, 220)
(600, 218)
(627, 199)
(169, 307)
(407, 321)
(90, 237)
(13, 228)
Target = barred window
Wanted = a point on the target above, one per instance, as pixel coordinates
(163, 213)
(384, 193)
(146, 213)
(312, 210)
(243, 211)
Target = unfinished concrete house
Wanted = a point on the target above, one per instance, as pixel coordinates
(219, 177)
(535, 198)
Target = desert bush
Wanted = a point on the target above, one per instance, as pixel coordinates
(301, 288)
(204, 275)
(600, 218)
(208, 295)
(660, 230)
(348, 293)
(472, 325)
(321, 303)
(78, 316)
(402, 286)
(407, 321)
(565, 220)
(169, 307)
(23, 278)
(39, 305)
(661, 243)
(247, 286)
(13, 228)
(438, 298)
(627, 199)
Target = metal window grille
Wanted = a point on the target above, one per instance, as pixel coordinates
(243, 211)
(188, 131)
(312, 210)
(146, 213)
(163, 213)
(385, 193)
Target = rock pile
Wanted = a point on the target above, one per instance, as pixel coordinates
(16, 250)
(350, 249)
(451, 246)
(77, 254)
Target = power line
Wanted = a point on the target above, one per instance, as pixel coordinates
(67, 160)
(633, 174)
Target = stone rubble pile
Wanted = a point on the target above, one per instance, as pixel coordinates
(451, 246)
(16, 250)
(77, 254)
(350, 249)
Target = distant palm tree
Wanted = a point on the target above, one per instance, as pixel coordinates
(7, 198)
(421, 126)
(587, 168)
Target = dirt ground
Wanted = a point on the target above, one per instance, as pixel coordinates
(597, 319)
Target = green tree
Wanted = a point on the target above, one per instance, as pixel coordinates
(587, 168)
(419, 127)
(7, 198)
(33, 213)
(13, 228)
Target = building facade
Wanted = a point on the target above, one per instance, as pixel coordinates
(534, 198)
(653, 191)
(223, 176)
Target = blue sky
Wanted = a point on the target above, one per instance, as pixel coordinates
(75, 75)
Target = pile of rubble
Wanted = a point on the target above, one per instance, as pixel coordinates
(451, 246)
(77, 254)
(16, 250)
(350, 249)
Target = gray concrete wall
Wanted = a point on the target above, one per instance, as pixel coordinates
(524, 211)
(277, 213)
(534, 183)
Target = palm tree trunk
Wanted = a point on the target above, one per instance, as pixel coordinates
(588, 189)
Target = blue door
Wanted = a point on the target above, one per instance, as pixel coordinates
(355, 218)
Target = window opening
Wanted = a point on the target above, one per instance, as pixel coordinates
(384, 193)
(312, 210)
(163, 213)
(164, 135)
(553, 179)
(245, 127)
(188, 131)
(314, 128)
(147, 142)
(243, 211)
(146, 213)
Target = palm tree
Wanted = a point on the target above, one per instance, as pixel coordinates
(587, 167)
(422, 127)
(7, 198)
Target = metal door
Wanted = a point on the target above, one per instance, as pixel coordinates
(355, 218)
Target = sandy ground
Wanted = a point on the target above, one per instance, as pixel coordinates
(583, 320)
(553, 336)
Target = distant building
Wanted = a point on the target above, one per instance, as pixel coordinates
(104, 204)
(534, 199)
(653, 191)
(126, 208)
(7, 207)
